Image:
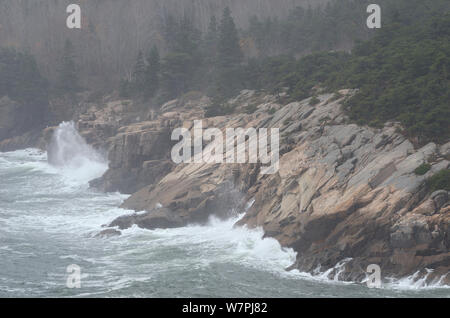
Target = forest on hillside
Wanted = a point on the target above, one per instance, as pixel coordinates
(401, 70)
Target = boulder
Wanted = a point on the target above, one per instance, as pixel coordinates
(108, 233)
(156, 219)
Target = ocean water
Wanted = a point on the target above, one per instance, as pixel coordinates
(49, 218)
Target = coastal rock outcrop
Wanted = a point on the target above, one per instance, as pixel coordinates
(351, 193)
(344, 194)
(139, 153)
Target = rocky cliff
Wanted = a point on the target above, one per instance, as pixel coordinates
(342, 193)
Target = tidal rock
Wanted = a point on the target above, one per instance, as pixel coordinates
(108, 233)
(155, 219)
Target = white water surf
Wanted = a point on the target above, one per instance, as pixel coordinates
(49, 218)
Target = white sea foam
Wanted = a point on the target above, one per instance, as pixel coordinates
(417, 281)
(70, 153)
(222, 241)
(73, 214)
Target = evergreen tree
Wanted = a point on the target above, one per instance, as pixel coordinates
(152, 73)
(229, 58)
(175, 74)
(68, 77)
(22, 82)
(229, 50)
(139, 73)
(211, 41)
(181, 67)
(209, 47)
(125, 88)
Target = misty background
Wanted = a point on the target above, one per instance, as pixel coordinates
(155, 51)
(114, 31)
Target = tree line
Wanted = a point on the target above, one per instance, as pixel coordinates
(210, 63)
(401, 70)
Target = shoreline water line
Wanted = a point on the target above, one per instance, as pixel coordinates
(199, 249)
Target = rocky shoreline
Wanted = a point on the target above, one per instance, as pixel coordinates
(343, 192)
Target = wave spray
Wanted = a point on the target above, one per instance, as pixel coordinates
(69, 152)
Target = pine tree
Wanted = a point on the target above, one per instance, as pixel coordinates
(175, 75)
(181, 67)
(68, 77)
(229, 50)
(209, 54)
(152, 73)
(139, 73)
(229, 58)
(125, 88)
(211, 41)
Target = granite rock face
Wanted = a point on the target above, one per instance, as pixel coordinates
(139, 153)
(344, 194)
(349, 192)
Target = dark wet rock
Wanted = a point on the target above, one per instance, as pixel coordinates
(108, 233)
(31, 139)
(156, 219)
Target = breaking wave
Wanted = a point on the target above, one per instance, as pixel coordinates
(49, 219)
(70, 153)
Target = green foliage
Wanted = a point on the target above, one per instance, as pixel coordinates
(440, 181)
(336, 25)
(152, 73)
(401, 71)
(268, 73)
(20, 78)
(177, 69)
(274, 73)
(422, 169)
(218, 107)
(229, 50)
(322, 28)
(272, 111)
(125, 88)
(211, 64)
(250, 109)
(211, 42)
(402, 75)
(180, 69)
(314, 101)
(145, 78)
(21, 81)
(68, 82)
(139, 73)
(229, 57)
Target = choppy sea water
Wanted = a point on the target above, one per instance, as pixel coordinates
(49, 217)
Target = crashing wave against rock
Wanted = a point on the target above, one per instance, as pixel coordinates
(342, 191)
